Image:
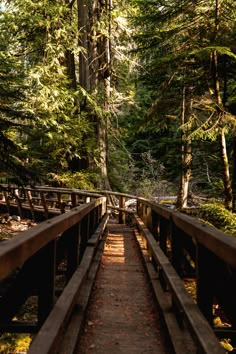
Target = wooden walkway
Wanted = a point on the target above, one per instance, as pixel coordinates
(122, 316)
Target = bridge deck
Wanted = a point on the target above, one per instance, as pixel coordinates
(122, 316)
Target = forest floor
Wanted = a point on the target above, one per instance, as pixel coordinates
(10, 226)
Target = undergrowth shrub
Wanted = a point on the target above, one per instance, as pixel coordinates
(80, 180)
(216, 214)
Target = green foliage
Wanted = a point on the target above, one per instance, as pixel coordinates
(80, 180)
(14, 343)
(174, 45)
(14, 117)
(216, 214)
(36, 37)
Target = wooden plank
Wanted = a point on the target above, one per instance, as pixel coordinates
(180, 339)
(200, 328)
(75, 325)
(48, 339)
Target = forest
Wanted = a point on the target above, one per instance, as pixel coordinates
(134, 96)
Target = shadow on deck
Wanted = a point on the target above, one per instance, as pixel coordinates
(122, 316)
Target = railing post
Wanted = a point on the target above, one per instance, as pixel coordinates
(149, 218)
(205, 274)
(104, 208)
(7, 200)
(138, 208)
(155, 225)
(46, 271)
(121, 213)
(18, 202)
(92, 222)
(73, 200)
(84, 234)
(73, 250)
(44, 204)
(31, 204)
(60, 202)
(164, 233)
(176, 249)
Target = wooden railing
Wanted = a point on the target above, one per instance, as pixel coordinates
(177, 246)
(31, 262)
(29, 201)
(189, 248)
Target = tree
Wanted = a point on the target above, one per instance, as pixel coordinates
(177, 42)
(14, 118)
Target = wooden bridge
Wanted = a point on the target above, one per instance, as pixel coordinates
(82, 266)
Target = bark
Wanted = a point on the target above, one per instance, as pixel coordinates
(69, 55)
(104, 77)
(186, 151)
(107, 95)
(220, 112)
(95, 71)
(83, 43)
(226, 176)
(70, 65)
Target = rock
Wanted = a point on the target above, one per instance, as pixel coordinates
(16, 218)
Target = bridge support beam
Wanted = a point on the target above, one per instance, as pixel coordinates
(121, 213)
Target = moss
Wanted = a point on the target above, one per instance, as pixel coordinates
(216, 214)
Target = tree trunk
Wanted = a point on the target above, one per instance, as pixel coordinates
(70, 65)
(220, 113)
(95, 71)
(186, 151)
(83, 43)
(104, 54)
(226, 176)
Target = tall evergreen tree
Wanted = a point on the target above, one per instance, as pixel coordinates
(179, 42)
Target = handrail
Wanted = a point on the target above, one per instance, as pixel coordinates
(31, 259)
(31, 200)
(180, 237)
(23, 246)
(183, 238)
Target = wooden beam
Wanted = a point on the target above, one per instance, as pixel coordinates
(200, 328)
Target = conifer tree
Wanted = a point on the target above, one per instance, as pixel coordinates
(187, 43)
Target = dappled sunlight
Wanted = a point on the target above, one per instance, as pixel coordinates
(115, 249)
